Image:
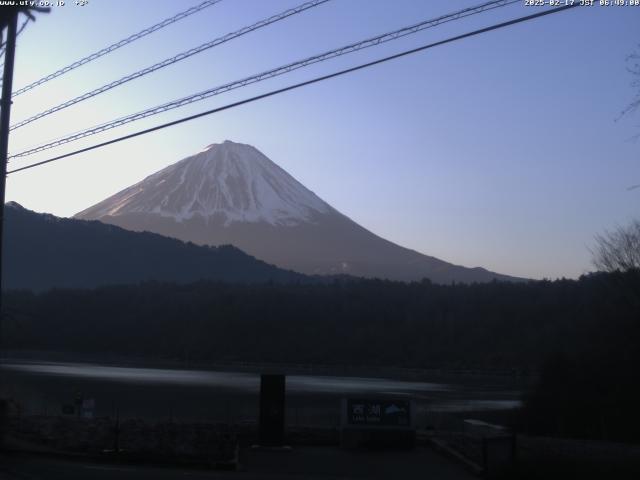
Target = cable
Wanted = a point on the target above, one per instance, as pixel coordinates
(301, 84)
(268, 74)
(3, 45)
(170, 61)
(24, 24)
(272, 73)
(2, 50)
(117, 45)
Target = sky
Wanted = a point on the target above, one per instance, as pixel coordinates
(503, 150)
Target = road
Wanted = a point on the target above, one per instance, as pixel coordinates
(314, 463)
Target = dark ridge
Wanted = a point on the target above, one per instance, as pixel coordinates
(43, 251)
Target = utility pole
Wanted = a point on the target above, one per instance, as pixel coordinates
(5, 111)
(5, 114)
(8, 19)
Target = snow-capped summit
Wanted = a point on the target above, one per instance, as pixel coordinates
(228, 181)
(230, 193)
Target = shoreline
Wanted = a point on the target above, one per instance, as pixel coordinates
(508, 376)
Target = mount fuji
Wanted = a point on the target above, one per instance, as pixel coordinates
(230, 193)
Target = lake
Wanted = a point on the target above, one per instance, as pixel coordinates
(43, 388)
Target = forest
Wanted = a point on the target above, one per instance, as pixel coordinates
(578, 337)
(494, 325)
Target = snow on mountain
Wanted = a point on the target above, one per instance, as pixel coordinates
(231, 181)
(230, 193)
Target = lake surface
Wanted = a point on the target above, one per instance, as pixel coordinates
(182, 394)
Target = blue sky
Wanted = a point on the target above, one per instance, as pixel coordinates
(501, 151)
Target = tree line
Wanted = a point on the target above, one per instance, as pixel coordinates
(582, 335)
(368, 322)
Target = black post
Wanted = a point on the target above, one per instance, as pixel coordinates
(272, 410)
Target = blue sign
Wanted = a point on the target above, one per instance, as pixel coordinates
(388, 413)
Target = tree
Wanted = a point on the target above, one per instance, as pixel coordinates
(618, 249)
(633, 67)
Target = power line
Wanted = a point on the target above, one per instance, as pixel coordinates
(3, 46)
(117, 45)
(269, 74)
(301, 84)
(170, 61)
(2, 50)
(24, 24)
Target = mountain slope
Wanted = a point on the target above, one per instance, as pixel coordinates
(229, 183)
(230, 193)
(42, 251)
